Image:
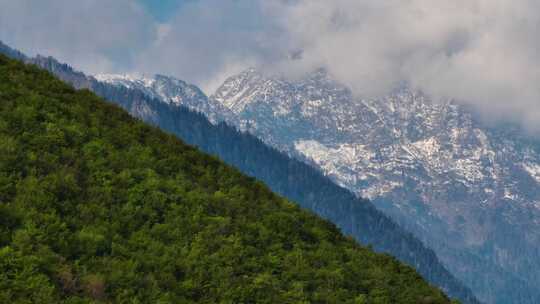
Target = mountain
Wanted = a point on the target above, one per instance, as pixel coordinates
(171, 91)
(469, 191)
(11, 53)
(99, 207)
(290, 178)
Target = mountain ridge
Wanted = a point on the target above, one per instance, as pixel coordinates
(431, 165)
(150, 110)
(98, 206)
(280, 112)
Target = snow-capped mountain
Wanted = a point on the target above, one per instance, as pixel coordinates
(291, 178)
(469, 191)
(172, 91)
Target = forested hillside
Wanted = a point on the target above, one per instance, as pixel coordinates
(288, 177)
(97, 206)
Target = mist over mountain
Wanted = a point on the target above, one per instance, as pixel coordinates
(412, 125)
(480, 53)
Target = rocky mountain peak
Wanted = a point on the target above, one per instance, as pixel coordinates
(428, 163)
(172, 91)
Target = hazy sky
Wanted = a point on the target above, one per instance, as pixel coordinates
(482, 52)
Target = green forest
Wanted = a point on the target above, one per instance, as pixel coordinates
(98, 207)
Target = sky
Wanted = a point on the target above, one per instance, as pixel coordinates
(485, 53)
(163, 10)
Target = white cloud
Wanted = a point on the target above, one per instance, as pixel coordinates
(92, 35)
(210, 38)
(482, 52)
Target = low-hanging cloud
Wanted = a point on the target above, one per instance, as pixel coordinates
(482, 52)
(209, 40)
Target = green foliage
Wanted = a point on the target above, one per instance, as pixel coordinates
(98, 207)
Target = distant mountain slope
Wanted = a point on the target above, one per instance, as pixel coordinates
(470, 192)
(98, 206)
(172, 91)
(285, 176)
(11, 53)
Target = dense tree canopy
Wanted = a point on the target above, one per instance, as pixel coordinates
(97, 207)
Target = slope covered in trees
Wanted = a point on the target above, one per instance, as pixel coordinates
(288, 177)
(97, 206)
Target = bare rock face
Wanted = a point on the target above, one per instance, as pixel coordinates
(469, 191)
